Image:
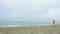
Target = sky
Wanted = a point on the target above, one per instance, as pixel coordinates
(27, 10)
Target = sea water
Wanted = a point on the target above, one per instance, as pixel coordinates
(6, 22)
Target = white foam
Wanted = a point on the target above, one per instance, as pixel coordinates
(23, 25)
(11, 26)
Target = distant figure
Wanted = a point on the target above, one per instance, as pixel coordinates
(53, 21)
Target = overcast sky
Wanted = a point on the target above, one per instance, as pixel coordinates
(29, 9)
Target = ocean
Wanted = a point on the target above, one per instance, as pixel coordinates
(6, 22)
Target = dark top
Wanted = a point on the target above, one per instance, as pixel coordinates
(53, 21)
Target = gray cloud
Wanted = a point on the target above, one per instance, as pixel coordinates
(11, 9)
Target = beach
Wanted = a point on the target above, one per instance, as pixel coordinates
(46, 29)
